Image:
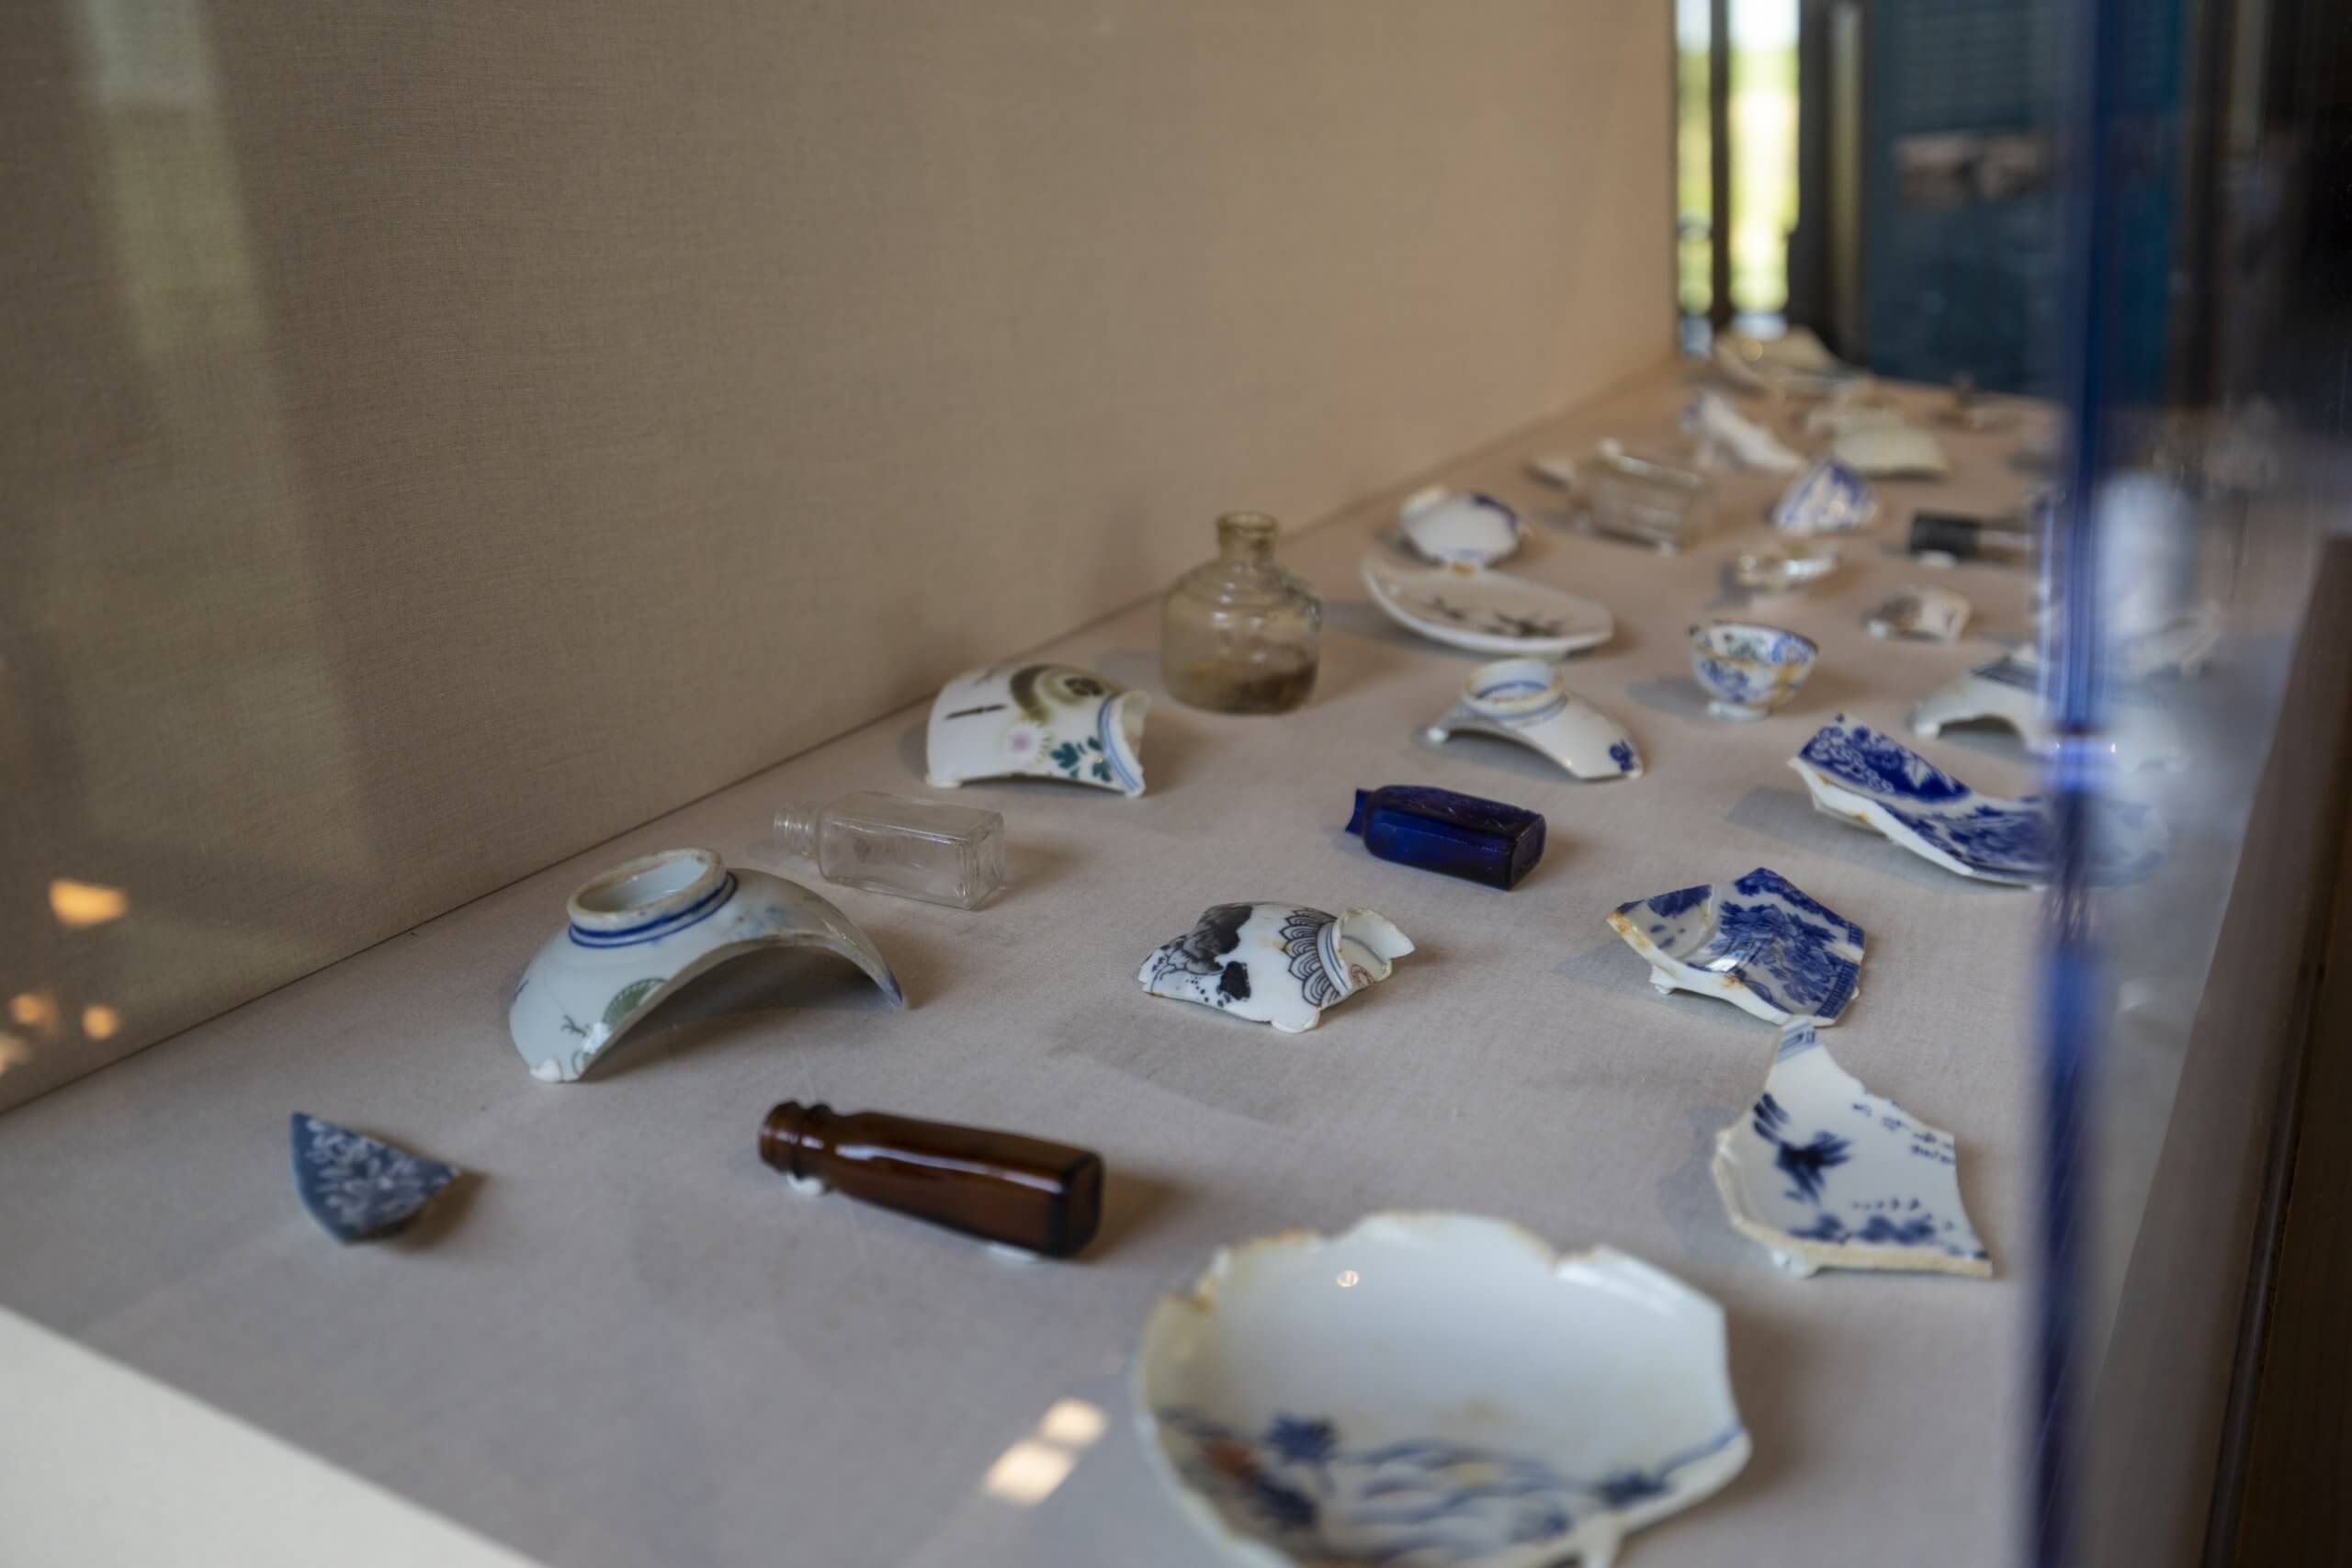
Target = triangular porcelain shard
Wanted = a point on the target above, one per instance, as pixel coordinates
(357, 1187)
(1827, 1175)
(1761, 943)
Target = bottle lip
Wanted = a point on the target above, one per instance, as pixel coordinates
(646, 891)
(1252, 531)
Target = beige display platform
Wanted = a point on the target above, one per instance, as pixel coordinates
(628, 1344)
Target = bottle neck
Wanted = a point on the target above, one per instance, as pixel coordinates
(1246, 538)
(795, 829)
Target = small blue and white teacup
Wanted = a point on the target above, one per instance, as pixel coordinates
(1748, 669)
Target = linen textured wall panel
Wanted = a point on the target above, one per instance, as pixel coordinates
(438, 437)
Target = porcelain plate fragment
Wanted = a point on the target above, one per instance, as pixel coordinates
(1278, 963)
(1486, 611)
(1760, 944)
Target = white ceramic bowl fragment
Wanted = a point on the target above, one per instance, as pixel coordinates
(2007, 692)
(1486, 611)
(640, 931)
(1278, 963)
(1921, 612)
(1460, 527)
(1432, 1389)
(1827, 1175)
(1828, 498)
(1760, 944)
(1047, 721)
(1748, 670)
(1528, 701)
(1864, 776)
(1892, 452)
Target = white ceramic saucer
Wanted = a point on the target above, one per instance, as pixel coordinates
(1528, 701)
(1486, 611)
(1827, 1174)
(1460, 527)
(640, 931)
(1434, 1389)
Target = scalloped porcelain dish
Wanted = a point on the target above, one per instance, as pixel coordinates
(1862, 775)
(1487, 611)
(1528, 701)
(1827, 1175)
(641, 929)
(1434, 1389)
(1460, 527)
(1760, 944)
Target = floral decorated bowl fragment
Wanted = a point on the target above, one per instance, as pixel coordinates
(1925, 613)
(1487, 611)
(1760, 944)
(1827, 1175)
(1434, 1389)
(1862, 775)
(639, 932)
(357, 1187)
(1047, 721)
(1528, 701)
(1828, 498)
(1275, 964)
(1460, 527)
(1748, 669)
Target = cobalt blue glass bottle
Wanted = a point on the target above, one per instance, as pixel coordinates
(1461, 835)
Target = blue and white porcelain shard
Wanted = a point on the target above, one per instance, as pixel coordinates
(1760, 944)
(1827, 1175)
(1434, 1389)
(1720, 429)
(1278, 963)
(1486, 611)
(1865, 777)
(1047, 721)
(1828, 498)
(2008, 690)
(1748, 670)
(639, 932)
(357, 1187)
(1528, 701)
(1459, 527)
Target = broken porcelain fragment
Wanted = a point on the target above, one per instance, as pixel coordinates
(1828, 498)
(2007, 690)
(1277, 963)
(1528, 701)
(1827, 1175)
(1433, 1388)
(639, 932)
(1459, 527)
(1047, 721)
(1923, 613)
(1859, 775)
(1892, 452)
(1783, 568)
(1720, 428)
(357, 1187)
(1760, 944)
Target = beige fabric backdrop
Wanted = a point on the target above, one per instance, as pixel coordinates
(440, 438)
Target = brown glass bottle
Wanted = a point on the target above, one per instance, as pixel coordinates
(1026, 1192)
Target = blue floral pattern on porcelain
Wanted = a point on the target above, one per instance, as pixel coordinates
(357, 1187)
(1827, 1174)
(1760, 944)
(1748, 669)
(1863, 775)
(1418, 1501)
(1828, 498)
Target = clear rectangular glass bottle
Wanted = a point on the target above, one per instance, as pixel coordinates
(913, 848)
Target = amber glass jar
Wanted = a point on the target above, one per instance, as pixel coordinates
(1238, 634)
